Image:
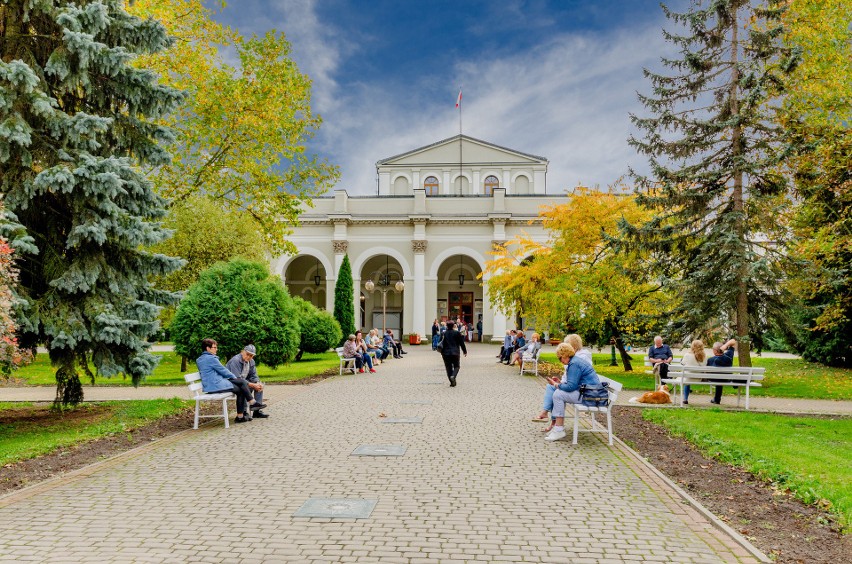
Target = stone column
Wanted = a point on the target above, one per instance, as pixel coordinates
(418, 318)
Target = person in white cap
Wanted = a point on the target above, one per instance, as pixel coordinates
(242, 366)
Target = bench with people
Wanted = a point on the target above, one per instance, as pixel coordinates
(717, 371)
(239, 378)
(578, 383)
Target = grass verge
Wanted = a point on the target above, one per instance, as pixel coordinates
(811, 457)
(29, 430)
(167, 373)
(785, 378)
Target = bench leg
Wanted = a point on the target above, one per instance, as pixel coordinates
(609, 423)
(747, 387)
(225, 413)
(576, 425)
(197, 408)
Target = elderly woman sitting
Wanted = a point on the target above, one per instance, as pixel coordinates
(577, 373)
(527, 351)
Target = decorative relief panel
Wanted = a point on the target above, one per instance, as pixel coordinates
(340, 247)
(419, 246)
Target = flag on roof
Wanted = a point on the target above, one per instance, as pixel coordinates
(458, 101)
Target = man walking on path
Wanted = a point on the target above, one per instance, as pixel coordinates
(451, 353)
(242, 366)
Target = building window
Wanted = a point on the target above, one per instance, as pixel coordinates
(491, 183)
(431, 186)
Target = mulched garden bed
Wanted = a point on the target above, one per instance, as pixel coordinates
(18, 475)
(774, 521)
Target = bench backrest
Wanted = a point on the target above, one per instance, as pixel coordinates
(676, 360)
(733, 373)
(614, 388)
(193, 379)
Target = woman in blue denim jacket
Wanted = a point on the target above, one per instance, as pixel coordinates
(577, 373)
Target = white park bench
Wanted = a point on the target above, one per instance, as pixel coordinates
(614, 388)
(738, 376)
(194, 381)
(346, 362)
(529, 363)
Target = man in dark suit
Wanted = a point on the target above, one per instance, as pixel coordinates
(451, 352)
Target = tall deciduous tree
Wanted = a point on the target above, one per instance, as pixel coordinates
(78, 121)
(574, 279)
(344, 309)
(205, 234)
(242, 129)
(713, 149)
(817, 114)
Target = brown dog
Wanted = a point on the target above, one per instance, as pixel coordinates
(661, 396)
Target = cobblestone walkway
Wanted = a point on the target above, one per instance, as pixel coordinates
(477, 483)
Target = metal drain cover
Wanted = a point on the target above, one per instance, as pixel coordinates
(379, 450)
(418, 419)
(336, 508)
(417, 402)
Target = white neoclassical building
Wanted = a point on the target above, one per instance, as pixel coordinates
(438, 212)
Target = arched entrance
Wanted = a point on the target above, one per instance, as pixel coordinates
(305, 277)
(382, 289)
(460, 291)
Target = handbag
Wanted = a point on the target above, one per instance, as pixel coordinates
(440, 346)
(594, 396)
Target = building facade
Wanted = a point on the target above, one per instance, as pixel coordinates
(431, 227)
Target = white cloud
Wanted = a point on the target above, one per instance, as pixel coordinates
(567, 99)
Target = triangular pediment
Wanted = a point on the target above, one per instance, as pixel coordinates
(473, 152)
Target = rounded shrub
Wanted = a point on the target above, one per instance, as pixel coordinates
(320, 330)
(237, 303)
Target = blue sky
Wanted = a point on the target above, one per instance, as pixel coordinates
(551, 78)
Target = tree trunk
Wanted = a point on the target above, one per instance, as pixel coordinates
(183, 364)
(69, 390)
(299, 355)
(619, 344)
(739, 208)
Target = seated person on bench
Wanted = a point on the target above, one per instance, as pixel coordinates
(242, 366)
(723, 356)
(216, 379)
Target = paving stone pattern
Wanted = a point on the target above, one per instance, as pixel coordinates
(477, 483)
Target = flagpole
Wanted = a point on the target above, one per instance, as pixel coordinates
(460, 142)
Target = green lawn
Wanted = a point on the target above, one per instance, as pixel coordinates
(168, 373)
(785, 378)
(812, 457)
(28, 430)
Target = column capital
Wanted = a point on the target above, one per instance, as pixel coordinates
(340, 247)
(419, 246)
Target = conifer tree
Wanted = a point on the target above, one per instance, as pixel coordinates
(78, 122)
(713, 151)
(344, 310)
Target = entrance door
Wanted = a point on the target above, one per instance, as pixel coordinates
(460, 304)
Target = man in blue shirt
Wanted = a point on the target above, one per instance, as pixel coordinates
(723, 356)
(215, 379)
(660, 356)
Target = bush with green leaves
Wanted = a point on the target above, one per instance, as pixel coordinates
(320, 330)
(237, 303)
(344, 309)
